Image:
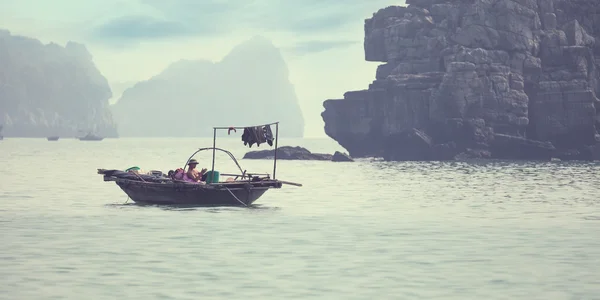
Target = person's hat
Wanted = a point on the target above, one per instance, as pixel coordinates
(193, 162)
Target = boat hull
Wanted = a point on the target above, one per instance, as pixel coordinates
(189, 194)
(52, 138)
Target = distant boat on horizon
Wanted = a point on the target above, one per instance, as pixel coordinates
(1, 137)
(53, 138)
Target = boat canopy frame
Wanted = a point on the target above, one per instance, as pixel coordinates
(215, 149)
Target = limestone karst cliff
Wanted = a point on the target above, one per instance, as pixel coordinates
(48, 90)
(248, 86)
(514, 79)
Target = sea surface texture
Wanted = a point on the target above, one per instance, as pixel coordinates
(362, 230)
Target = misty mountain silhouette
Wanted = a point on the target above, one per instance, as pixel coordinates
(248, 86)
(48, 89)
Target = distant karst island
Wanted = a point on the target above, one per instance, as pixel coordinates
(54, 91)
(248, 86)
(477, 78)
(50, 90)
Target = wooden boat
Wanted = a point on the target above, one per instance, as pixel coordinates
(53, 138)
(158, 188)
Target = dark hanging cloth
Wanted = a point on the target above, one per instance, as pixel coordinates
(268, 134)
(253, 135)
(260, 135)
(257, 135)
(247, 138)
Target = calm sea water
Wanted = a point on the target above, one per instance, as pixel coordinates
(363, 230)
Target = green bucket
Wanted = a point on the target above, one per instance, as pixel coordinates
(134, 168)
(212, 177)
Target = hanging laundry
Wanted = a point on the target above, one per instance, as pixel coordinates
(246, 137)
(260, 135)
(268, 134)
(230, 129)
(253, 135)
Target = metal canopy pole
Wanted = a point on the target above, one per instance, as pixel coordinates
(212, 173)
(214, 147)
(275, 157)
(242, 127)
(228, 153)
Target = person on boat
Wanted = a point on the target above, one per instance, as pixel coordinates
(193, 173)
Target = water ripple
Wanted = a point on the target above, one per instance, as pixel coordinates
(369, 229)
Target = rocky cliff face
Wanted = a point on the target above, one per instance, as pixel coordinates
(248, 86)
(513, 79)
(50, 90)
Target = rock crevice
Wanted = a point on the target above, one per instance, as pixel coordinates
(499, 78)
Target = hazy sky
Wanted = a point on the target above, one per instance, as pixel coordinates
(132, 40)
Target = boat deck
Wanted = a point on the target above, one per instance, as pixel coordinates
(166, 182)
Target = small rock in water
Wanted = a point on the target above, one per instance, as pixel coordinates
(288, 153)
(340, 157)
